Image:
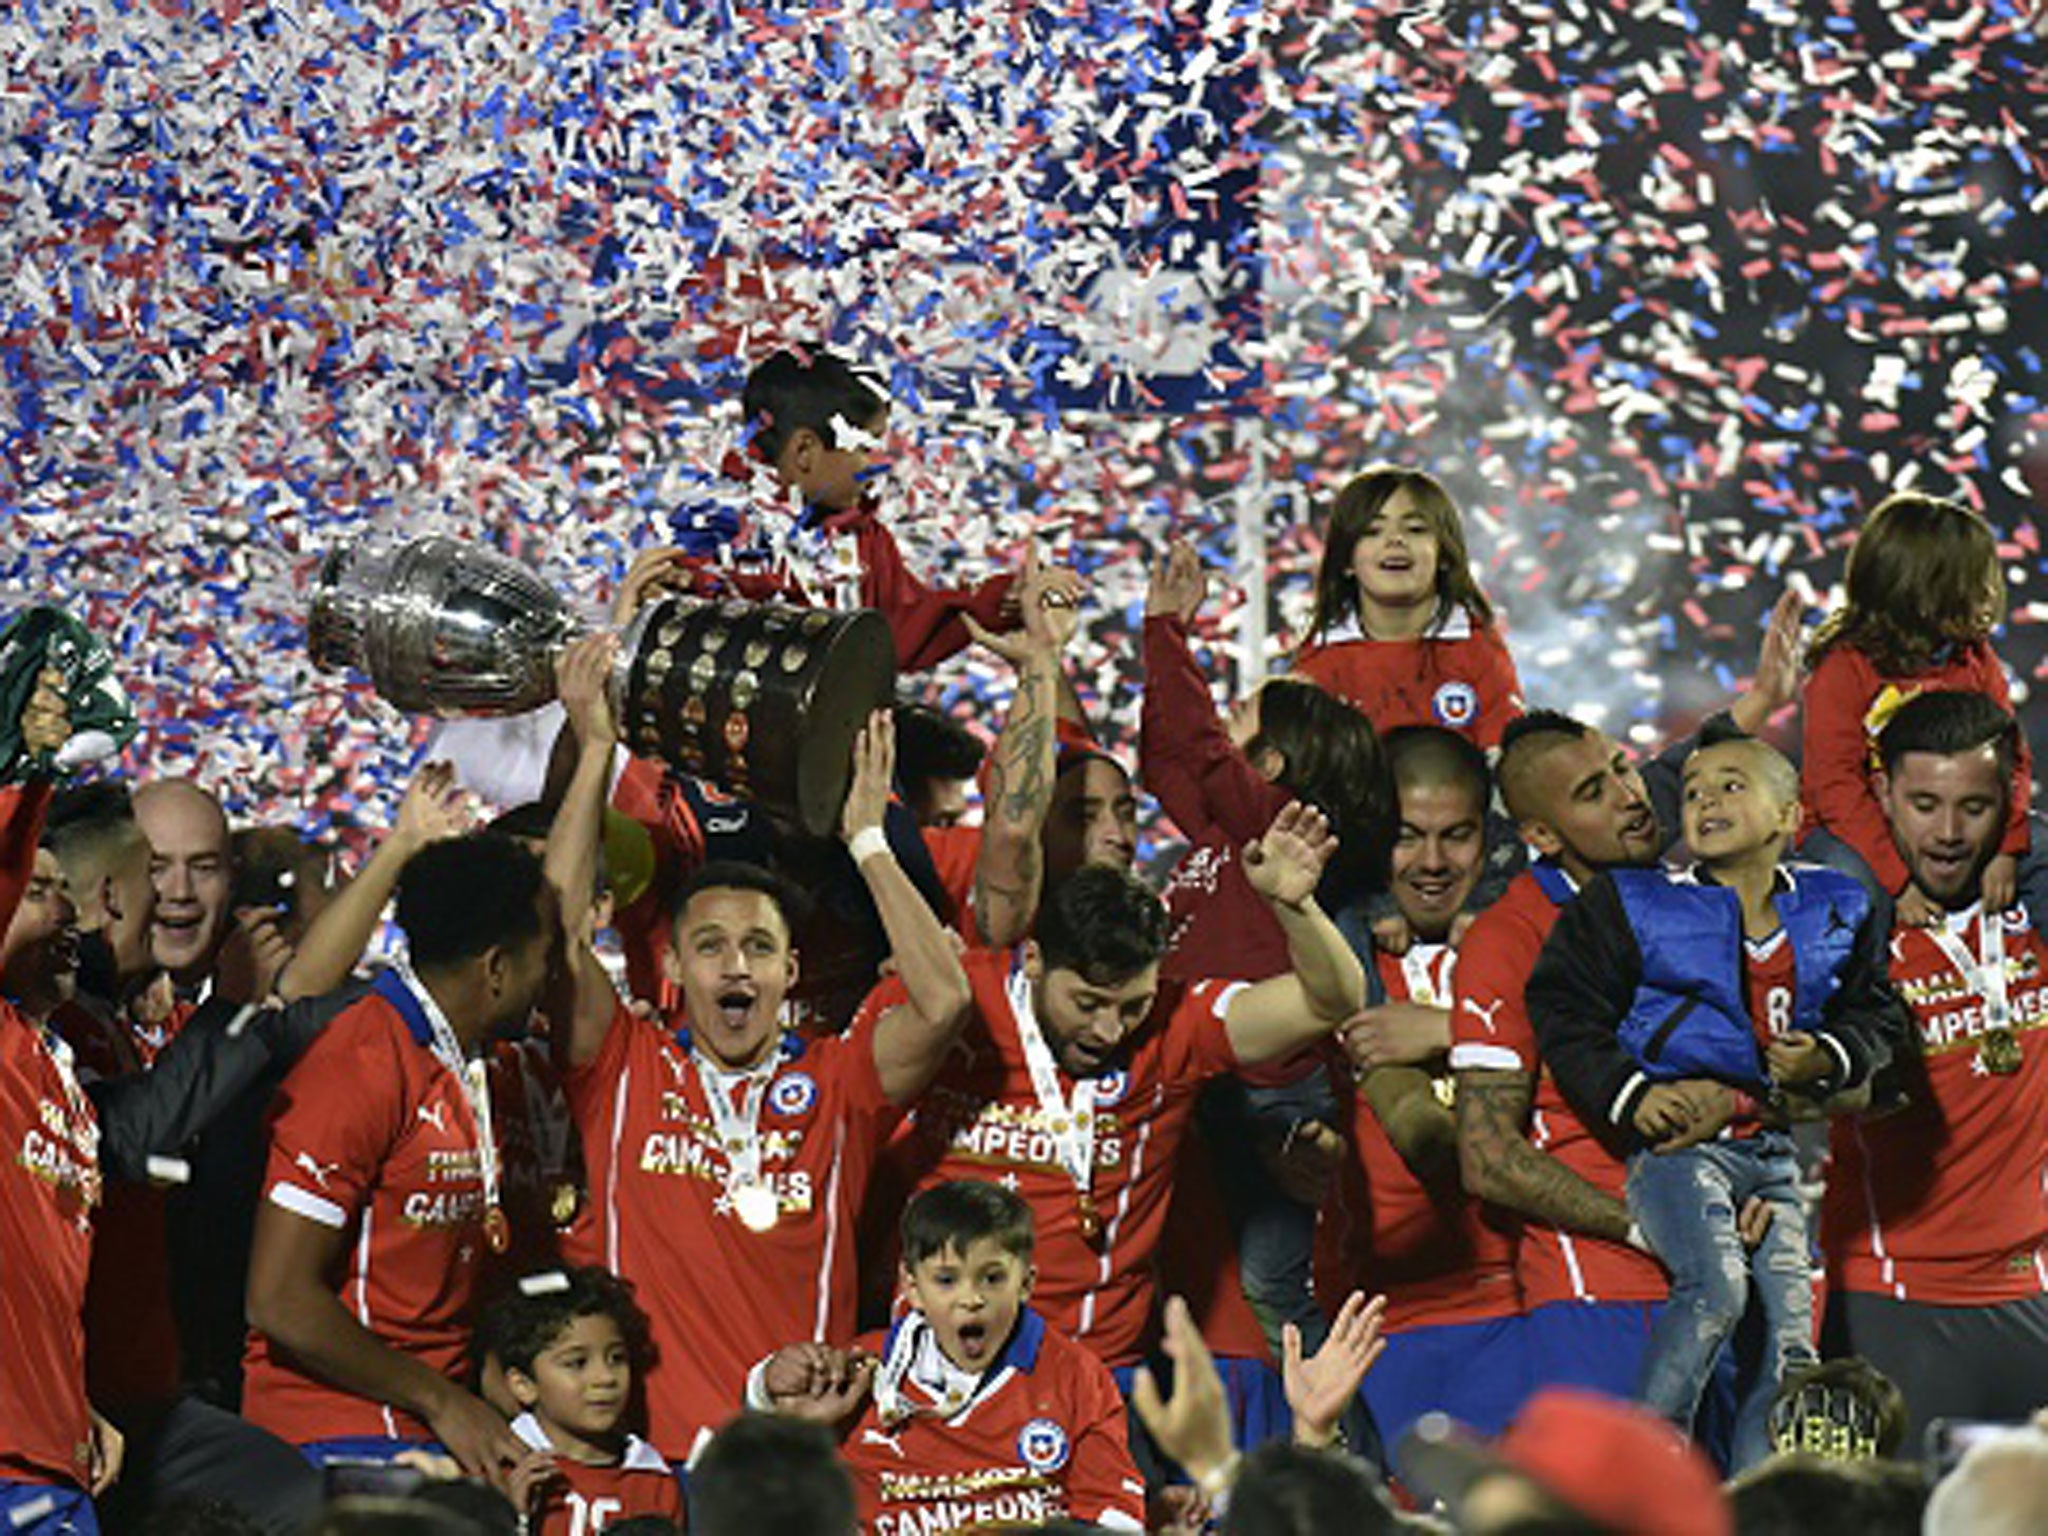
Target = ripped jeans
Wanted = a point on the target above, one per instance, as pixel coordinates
(1686, 1205)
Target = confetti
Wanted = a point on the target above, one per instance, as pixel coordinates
(1667, 298)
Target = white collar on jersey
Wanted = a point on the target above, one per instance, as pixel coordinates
(1455, 625)
(639, 1456)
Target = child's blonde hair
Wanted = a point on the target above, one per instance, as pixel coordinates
(1923, 573)
(1360, 505)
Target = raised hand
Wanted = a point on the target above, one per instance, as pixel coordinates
(435, 807)
(1047, 602)
(874, 768)
(653, 572)
(582, 678)
(46, 718)
(1192, 1426)
(1178, 584)
(1285, 864)
(1321, 1387)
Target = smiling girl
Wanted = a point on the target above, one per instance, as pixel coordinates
(1401, 631)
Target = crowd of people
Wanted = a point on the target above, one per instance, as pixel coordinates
(1480, 1130)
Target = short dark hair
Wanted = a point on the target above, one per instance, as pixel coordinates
(1540, 722)
(738, 875)
(464, 895)
(1102, 923)
(800, 388)
(533, 821)
(521, 1325)
(763, 1475)
(1290, 1490)
(1947, 721)
(1435, 754)
(84, 819)
(1525, 737)
(930, 744)
(1802, 1495)
(964, 1211)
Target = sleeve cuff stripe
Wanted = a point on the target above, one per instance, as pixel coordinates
(1488, 1058)
(311, 1206)
(1619, 1107)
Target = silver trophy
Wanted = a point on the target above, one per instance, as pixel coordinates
(761, 699)
(442, 627)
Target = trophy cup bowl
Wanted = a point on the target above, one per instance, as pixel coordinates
(442, 627)
(762, 699)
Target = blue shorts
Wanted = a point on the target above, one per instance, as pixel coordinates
(1477, 1373)
(1596, 1344)
(46, 1509)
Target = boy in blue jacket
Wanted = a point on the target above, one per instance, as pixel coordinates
(1693, 1013)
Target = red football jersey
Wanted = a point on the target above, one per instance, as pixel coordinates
(582, 1500)
(1439, 1256)
(1042, 1439)
(131, 1330)
(49, 1184)
(1490, 1030)
(1947, 1200)
(981, 1120)
(1457, 676)
(1846, 703)
(538, 1156)
(392, 1161)
(719, 1295)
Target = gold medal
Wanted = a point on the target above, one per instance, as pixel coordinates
(1999, 1052)
(1088, 1218)
(497, 1231)
(755, 1205)
(564, 1204)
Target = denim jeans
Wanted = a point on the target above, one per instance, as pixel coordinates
(1686, 1204)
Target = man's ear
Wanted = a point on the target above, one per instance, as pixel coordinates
(1030, 1282)
(1880, 784)
(800, 455)
(671, 963)
(1034, 962)
(1538, 835)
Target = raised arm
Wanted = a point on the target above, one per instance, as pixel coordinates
(1185, 756)
(45, 726)
(912, 1038)
(434, 807)
(1326, 984)
(573, 844)
(1009, 875)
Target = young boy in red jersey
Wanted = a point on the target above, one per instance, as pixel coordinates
(977, 1412)
(571, 1346)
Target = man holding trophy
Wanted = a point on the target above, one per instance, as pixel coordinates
(728, 1156)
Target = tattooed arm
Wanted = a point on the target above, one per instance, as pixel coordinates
(1500, 1164)
(1011, 870)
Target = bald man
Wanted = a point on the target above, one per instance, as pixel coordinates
(191, 867)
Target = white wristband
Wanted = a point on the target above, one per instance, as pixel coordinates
(866, 843)
(1637, 1241)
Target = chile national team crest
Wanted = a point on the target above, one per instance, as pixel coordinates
(793, 1094)
(1455, 705)
(1042, 1446)
(1111, 1086)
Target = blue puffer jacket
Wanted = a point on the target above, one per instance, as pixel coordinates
(1691, 1017)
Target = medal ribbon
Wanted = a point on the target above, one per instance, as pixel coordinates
(473, 1076)
(1070, 1121)
(1419, 969)
(1985, 977)
(739, 1130)
(915, 1345)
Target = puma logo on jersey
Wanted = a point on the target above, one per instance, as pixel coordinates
(315, 1167)
(436, 1116)
(878, 1437)
(1486, 1014)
